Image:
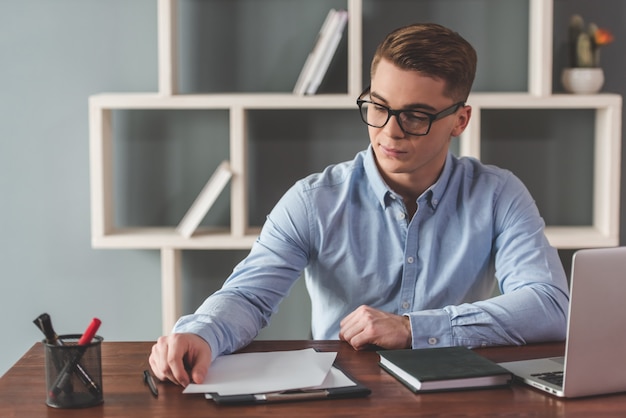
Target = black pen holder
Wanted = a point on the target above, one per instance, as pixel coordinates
(73, 372)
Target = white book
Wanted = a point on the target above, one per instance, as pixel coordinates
(336, 33)
(207, 196)
(315, 55)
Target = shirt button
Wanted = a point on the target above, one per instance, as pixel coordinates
(401, 215)
(405, 305)
(410, 260)
(432, 341)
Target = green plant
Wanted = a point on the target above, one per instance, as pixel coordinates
(585, 43)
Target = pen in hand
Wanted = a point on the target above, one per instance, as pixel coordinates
(67, 371)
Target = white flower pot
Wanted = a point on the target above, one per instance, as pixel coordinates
(582, 80)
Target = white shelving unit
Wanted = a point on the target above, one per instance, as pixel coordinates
(603, 231)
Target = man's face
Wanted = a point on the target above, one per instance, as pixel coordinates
(400, 156)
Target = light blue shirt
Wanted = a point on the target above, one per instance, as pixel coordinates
(476, 230)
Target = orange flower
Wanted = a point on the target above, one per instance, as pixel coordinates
(603, 37)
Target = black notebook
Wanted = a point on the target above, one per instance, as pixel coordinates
(446, 368)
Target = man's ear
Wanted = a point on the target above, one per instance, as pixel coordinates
(462, 119)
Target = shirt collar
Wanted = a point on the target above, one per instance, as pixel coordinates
(385, 194)
(435, 192)
(381, 190)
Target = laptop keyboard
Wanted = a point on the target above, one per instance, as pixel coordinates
(556, 378)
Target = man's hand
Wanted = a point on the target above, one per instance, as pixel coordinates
(366, 326)
(181, 357)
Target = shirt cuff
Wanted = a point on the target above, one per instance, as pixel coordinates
(430, 328)
(186, 324)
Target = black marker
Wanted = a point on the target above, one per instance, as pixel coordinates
(74, 363)
(44, 323)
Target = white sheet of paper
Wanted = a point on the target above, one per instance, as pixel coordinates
(335, 379)
(246, 373)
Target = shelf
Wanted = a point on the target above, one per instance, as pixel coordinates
(554, 101)
(167, 237)
(270, 101)
(606, 166)
(208, 239)
(220, 101)
(602, 231)
(575, 237)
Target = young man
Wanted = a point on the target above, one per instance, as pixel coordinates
(400, 247)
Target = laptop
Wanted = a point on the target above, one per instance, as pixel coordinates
(595, 345)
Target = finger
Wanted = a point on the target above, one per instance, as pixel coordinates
(154, 366)
(347, 329)
(162, 370)
(201, 366)
(360, 339)
(157, 360)
(354, 335)
(175, 353)
(347, 320)
(360, 328)
(349, 325)
(355, 315)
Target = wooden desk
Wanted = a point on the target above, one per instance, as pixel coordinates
(22, 390)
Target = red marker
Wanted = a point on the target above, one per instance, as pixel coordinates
(90, 332)
(67, 371)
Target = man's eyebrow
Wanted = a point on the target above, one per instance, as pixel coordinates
(411, 106)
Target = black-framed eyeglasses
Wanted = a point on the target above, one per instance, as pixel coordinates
(412, 122)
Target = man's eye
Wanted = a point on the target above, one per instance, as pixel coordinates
(379, 108)
(415, 117)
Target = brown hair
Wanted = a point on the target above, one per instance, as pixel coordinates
(433, 50)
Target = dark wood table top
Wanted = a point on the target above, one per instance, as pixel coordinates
(23, 394)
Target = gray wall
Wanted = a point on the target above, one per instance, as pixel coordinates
(56, 54)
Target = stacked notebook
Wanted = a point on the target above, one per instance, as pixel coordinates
(446, 368)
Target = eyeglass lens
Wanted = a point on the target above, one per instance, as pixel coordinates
(412, 122)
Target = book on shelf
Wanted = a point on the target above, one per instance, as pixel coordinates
(320, 57)
(445, 368)
(207, 196)
(315, 54)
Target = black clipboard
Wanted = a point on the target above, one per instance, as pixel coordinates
(354, 391)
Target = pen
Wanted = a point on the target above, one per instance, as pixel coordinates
(269, 397)
(90, 332)
(44, 323)
(149, 380)
(67, 371)
(296, 396)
